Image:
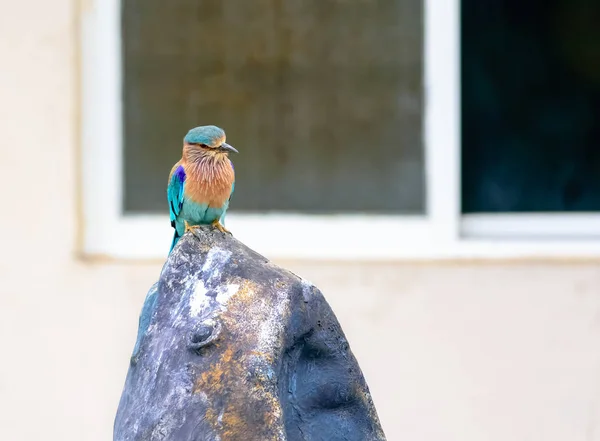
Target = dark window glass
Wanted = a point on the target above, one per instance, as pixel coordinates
(323, 99)
(530, 105)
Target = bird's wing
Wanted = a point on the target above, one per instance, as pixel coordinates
(175, 191)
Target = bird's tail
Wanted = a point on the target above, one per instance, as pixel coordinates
(176, 237)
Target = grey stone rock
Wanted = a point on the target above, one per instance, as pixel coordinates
(231, 347)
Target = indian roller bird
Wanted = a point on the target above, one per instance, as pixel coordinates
(202, 182)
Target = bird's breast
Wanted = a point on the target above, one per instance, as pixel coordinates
(209, 183)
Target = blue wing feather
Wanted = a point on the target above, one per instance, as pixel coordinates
(175, 193)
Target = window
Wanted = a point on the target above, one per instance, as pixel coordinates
(530, 99)
(531, 93)
(319, 96)
(348, 119)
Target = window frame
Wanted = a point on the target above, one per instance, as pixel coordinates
(443, 233)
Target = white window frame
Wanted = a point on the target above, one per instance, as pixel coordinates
(441, 234)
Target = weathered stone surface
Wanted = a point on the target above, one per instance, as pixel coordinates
(234, 348)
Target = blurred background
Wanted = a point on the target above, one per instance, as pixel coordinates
(326, 94)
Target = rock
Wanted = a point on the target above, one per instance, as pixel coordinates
(233, 348)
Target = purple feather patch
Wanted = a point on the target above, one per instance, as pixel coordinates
(180, 173)
(231, 162)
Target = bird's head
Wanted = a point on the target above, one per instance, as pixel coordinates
(207, 140)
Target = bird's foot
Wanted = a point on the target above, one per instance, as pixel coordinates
(189, 227)
(216, 224)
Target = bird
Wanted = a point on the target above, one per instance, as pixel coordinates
(201, 183)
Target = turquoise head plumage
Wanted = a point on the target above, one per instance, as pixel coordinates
(212, 137)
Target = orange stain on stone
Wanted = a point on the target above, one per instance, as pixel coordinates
(243, 399)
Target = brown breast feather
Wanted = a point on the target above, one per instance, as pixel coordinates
(209, 180)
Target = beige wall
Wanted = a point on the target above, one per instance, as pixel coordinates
(451, 352)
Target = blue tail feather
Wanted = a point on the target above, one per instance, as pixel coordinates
(176, 237)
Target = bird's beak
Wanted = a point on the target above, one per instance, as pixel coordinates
(227, 148)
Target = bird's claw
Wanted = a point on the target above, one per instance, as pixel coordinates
(189, 227)
(216, 224)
